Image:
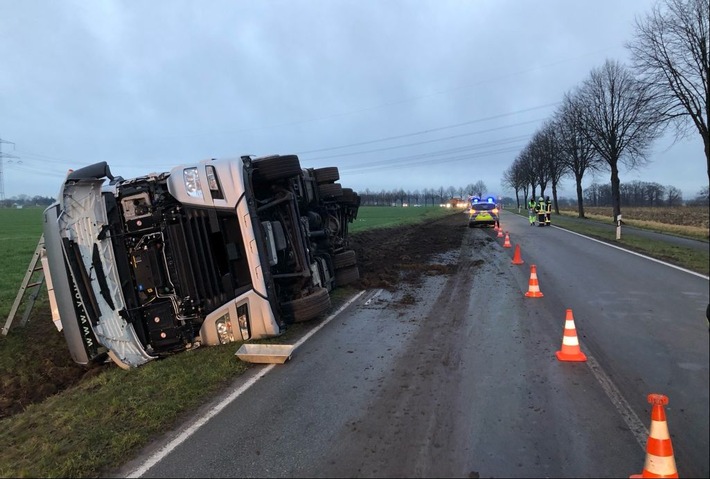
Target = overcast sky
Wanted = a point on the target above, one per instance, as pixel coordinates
(397, 94)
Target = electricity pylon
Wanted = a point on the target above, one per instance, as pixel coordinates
(2, 161)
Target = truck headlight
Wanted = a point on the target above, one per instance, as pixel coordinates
(213, 183)
(224, 329)
(192, 182)
(243, 320)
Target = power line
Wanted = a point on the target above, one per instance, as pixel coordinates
(428, 162)
(2, 161)
(431, 156)
(422, 132)
(361, 152)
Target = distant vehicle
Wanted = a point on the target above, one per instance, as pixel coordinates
(217, 251)
(483, 212)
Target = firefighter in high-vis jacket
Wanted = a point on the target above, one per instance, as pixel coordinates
(540, 210)
(548, 210)
(531, 211)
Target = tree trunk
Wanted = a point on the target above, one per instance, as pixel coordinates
(615, 190)
(554, 198)
(580, 197)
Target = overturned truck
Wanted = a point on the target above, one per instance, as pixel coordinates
(220, 251)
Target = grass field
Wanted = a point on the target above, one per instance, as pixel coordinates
(20, 230)
(385, 217)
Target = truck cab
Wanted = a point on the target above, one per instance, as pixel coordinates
(210, 253)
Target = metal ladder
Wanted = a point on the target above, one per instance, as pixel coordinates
(34, 289)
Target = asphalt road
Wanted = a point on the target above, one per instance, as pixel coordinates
(458, 378)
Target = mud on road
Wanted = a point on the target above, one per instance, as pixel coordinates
(387, 258)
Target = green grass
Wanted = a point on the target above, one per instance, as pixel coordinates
(387, 216)
(20, 230)
(98, 423)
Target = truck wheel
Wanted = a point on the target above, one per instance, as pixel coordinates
(344, 259)
(348, 196)
(326, 175)
(346, 275)
(304, 309)
(277, 167)
(330, 190)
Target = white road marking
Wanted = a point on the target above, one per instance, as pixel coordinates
(375, 295)
(637, 427)
(165, 450)
(634, 252)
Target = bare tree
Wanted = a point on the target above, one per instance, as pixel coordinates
(671, 51)
(540, 152)
(525, 163)
(512, 178)
(479, 188)
(552, 156)
(674, 197)
(618, 120)
(702, 198)
(578, 153)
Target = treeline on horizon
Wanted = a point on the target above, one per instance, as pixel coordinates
(635, 193)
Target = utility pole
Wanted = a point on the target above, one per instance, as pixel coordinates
(2, 161)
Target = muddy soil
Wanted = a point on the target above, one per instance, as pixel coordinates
(386, 258)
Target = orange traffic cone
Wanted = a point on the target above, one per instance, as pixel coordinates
(570, 344)
(533, 287)
(506, 243)
(516, 256)
(660, 461)
(500, 233)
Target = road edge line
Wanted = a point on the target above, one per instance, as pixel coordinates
(638, 429)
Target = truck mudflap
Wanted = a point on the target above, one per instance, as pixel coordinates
(88, 251)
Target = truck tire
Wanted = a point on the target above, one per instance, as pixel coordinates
(309, 307)
(330, 190)
(344, 259)
(348, 196)
(346, 275)
(329, 174)
(277, 167)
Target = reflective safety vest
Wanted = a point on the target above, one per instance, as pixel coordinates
(548, 206)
